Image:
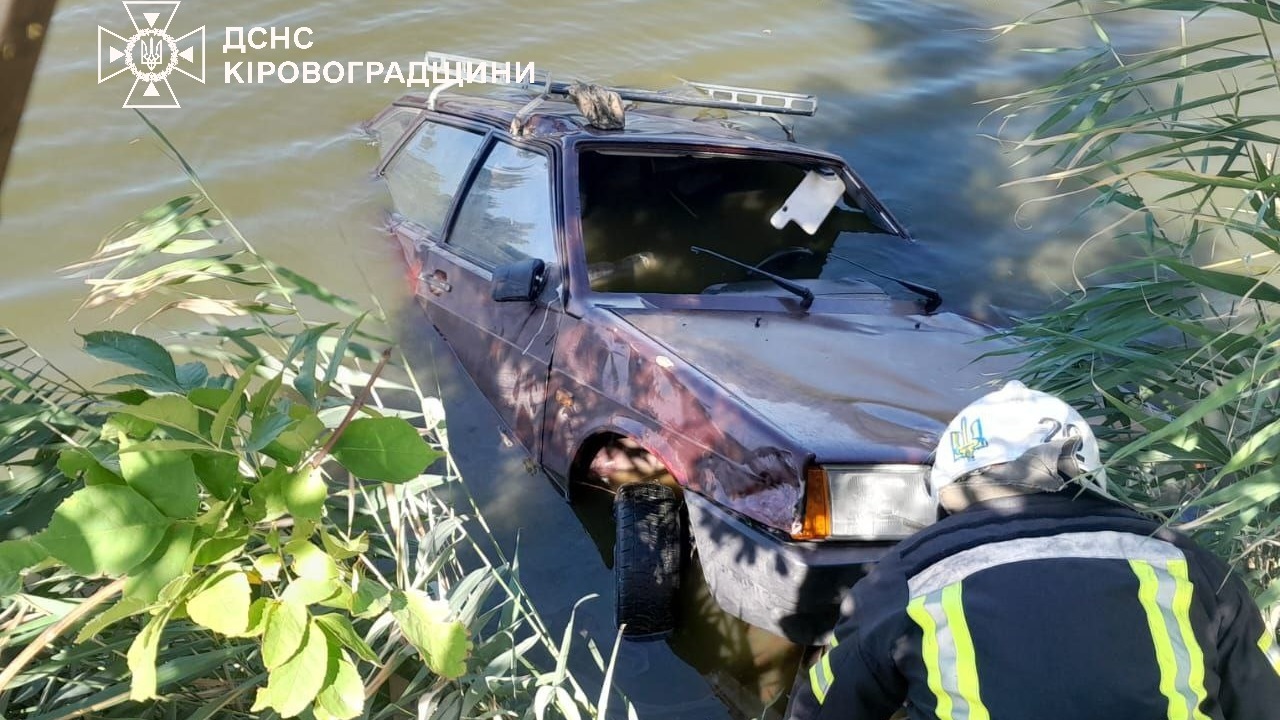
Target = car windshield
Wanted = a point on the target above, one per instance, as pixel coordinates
(642, 214)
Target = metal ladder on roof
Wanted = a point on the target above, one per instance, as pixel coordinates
(454, 69)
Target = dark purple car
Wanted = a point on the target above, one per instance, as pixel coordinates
(674, 310)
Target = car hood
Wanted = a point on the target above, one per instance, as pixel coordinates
(849, 388)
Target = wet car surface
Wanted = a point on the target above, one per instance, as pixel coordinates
(631, 298)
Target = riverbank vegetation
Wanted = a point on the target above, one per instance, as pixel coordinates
(1174, 353)
(244, 522)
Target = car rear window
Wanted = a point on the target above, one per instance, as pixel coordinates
(425, 175)
(507, 215)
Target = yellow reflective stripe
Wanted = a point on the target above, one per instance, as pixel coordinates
(820, 675)
(1267, 644)
(966, 658)
(1183, 686)
(929, 649)
(1182, 593)
(1148, 586)
(818, 682)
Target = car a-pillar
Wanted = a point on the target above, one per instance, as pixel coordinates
(633, 507)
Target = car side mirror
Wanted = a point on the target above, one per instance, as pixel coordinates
(520, 281)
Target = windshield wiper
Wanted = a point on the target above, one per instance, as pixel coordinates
(933, 299)
(804, 293)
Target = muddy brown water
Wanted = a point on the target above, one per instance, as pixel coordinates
(898, 83)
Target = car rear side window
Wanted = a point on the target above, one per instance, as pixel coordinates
(506, 216)
(388, 128)
(425, 175)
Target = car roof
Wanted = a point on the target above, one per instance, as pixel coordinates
(559, 120)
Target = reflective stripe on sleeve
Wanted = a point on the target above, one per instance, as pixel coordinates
(949, 657)
(1267, 644)
(1165, 592)
(820, 675)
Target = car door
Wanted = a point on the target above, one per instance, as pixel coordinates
(506, 214)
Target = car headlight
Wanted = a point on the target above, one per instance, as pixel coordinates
(869, 502)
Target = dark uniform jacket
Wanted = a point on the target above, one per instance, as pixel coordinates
(1047, 607)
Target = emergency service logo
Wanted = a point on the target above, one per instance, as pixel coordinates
(968, 440)
(151, 53)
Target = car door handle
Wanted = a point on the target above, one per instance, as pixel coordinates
(437, 282)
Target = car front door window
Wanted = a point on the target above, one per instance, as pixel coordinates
(506, 216)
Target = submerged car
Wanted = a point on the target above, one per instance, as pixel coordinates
(675, 309)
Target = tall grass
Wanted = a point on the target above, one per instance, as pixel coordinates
(1173, 352)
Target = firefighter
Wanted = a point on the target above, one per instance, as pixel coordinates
(1038, 596)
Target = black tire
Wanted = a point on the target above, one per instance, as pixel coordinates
(646, 559)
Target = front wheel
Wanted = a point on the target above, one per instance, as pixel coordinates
(646, 559)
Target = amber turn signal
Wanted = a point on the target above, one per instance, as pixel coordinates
(817, 506)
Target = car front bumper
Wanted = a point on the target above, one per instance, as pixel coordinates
(789, 588)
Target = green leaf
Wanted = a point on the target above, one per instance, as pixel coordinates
(344, 549)
(340, 350)
(258, 613)
(16, 556)
(342, 632)
(130, 397)
(268, 566)
(145, 382)
(223, 604)
(182, 446)
(1237, 285)
(286, 625)
(266, 428)
(343, 695)
(142, 657)
(309, 591)
(262, 399)
(192, 375)
(294, 684)
(172, 411)
(292, 444)
(304, 493)
(305, 380)
(125, 608)
(170, 560)
(222, 547)
(340, 600)
(166, 478)
(383, 449)
(231, 407)
(310, 561)
(209, 398)
(267, 497)
(370, 600)
(104, 529)
(443, 643)
(220, 473)
(140, 353)
(127, 426)
(74, 461)
(307, 339)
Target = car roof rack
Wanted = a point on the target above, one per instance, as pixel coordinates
(724, 97)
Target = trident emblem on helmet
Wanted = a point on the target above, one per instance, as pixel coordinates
(152, 52)
(967, 440)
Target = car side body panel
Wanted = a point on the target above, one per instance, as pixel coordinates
(609, 377)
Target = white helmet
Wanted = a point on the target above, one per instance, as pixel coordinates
(1016, 423)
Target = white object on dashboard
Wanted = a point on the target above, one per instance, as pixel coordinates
(811, 202)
